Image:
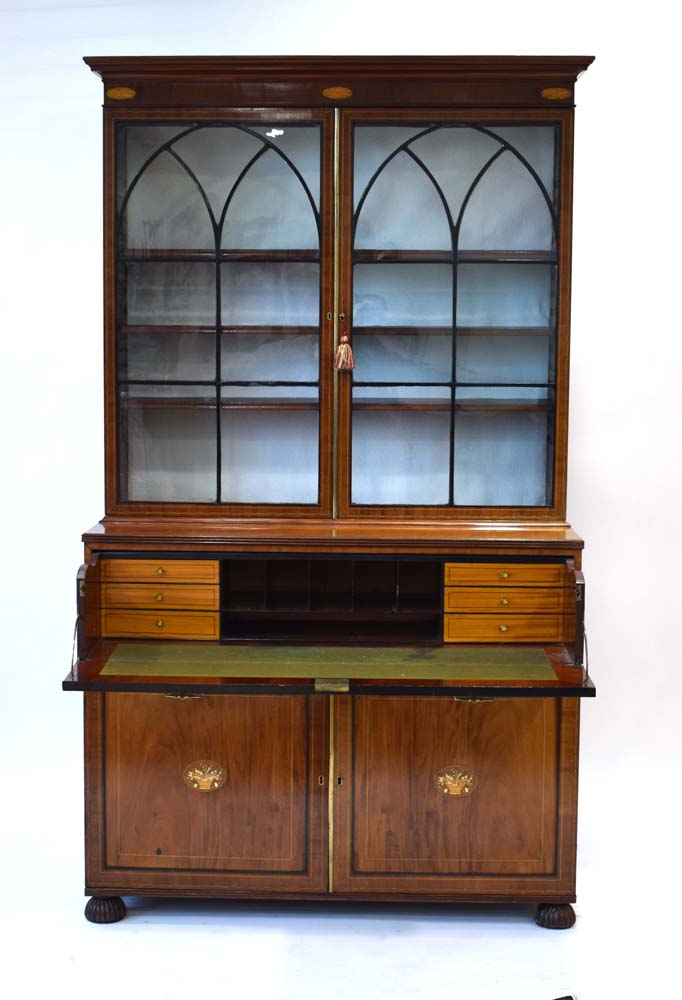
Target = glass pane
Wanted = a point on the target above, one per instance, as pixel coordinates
(402, 357)
(270, 455)
(168, 443)
(400, 457)
(402, 295)
(506, 211)
(270, 294)
(506, 357)
(501, 458)
(217, 155)
(403, 211)
(536, 143)
(171, 294)
(455, 156)
(383, 395)
(167, 355)
(270, 210)
(137, 143)
(270, 357)
(504, 295)
(372, 145)
(267, 393)
(301, 144)
(166, 211)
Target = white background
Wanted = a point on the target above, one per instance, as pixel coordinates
(624, 498)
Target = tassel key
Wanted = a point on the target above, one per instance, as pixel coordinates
(343, 356)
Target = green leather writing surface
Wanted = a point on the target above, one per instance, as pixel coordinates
(165, 659)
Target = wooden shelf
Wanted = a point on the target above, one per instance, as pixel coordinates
(209, 256)
(446, 331)
(196, 403)
(501, 405)
(446, 256)
(285, 331)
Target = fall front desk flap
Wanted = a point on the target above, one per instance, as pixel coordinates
(361, 663)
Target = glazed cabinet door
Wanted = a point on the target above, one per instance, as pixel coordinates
(431, 791)
(451, 281)
(222, 279)
(210, 791)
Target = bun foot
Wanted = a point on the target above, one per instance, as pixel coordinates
(105, 909)
(555, 916)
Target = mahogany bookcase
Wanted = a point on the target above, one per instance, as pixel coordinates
(331, 627)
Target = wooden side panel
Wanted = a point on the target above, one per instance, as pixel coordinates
(261, 831)
(395, 831)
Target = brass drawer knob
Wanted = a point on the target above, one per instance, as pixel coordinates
(504, 574)
(504, 601)
(204, 776)
(158, 597)
(455, 781)
(160, 571)
(160, 622)
(504, 628)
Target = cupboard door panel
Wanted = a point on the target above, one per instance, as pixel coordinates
(440, 788)
(159, 815)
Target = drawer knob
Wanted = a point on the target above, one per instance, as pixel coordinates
(159, 597)
(160, 622)
(160, 571)
(504, 574)
(504, 628)
(456, 781)
(504, 601)
(204, 776)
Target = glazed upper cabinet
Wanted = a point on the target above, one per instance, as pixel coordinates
(246, 245)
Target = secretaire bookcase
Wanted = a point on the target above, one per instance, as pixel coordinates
(330, 630)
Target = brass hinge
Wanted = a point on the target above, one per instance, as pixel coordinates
(332, 685)
(82, 586)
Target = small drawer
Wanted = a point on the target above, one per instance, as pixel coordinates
(505, 628)
(160, 624)
(187, 596)
(506, 574)
(508, 600)
(162, 570)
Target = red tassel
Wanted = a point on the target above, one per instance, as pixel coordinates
(343, 356)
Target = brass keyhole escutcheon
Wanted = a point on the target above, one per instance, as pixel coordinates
(158, 597)
(204, 776)
(160, 622)
(456, 781)
(504, 601)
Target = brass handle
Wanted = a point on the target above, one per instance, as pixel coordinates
(204, 776)
(158, 597)
(160, 571)
(160, 622)
(504, 601)
(504, 574)
(455, 781)
(504, 628)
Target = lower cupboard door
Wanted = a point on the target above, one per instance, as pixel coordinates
(221, 791)
(431, 791)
